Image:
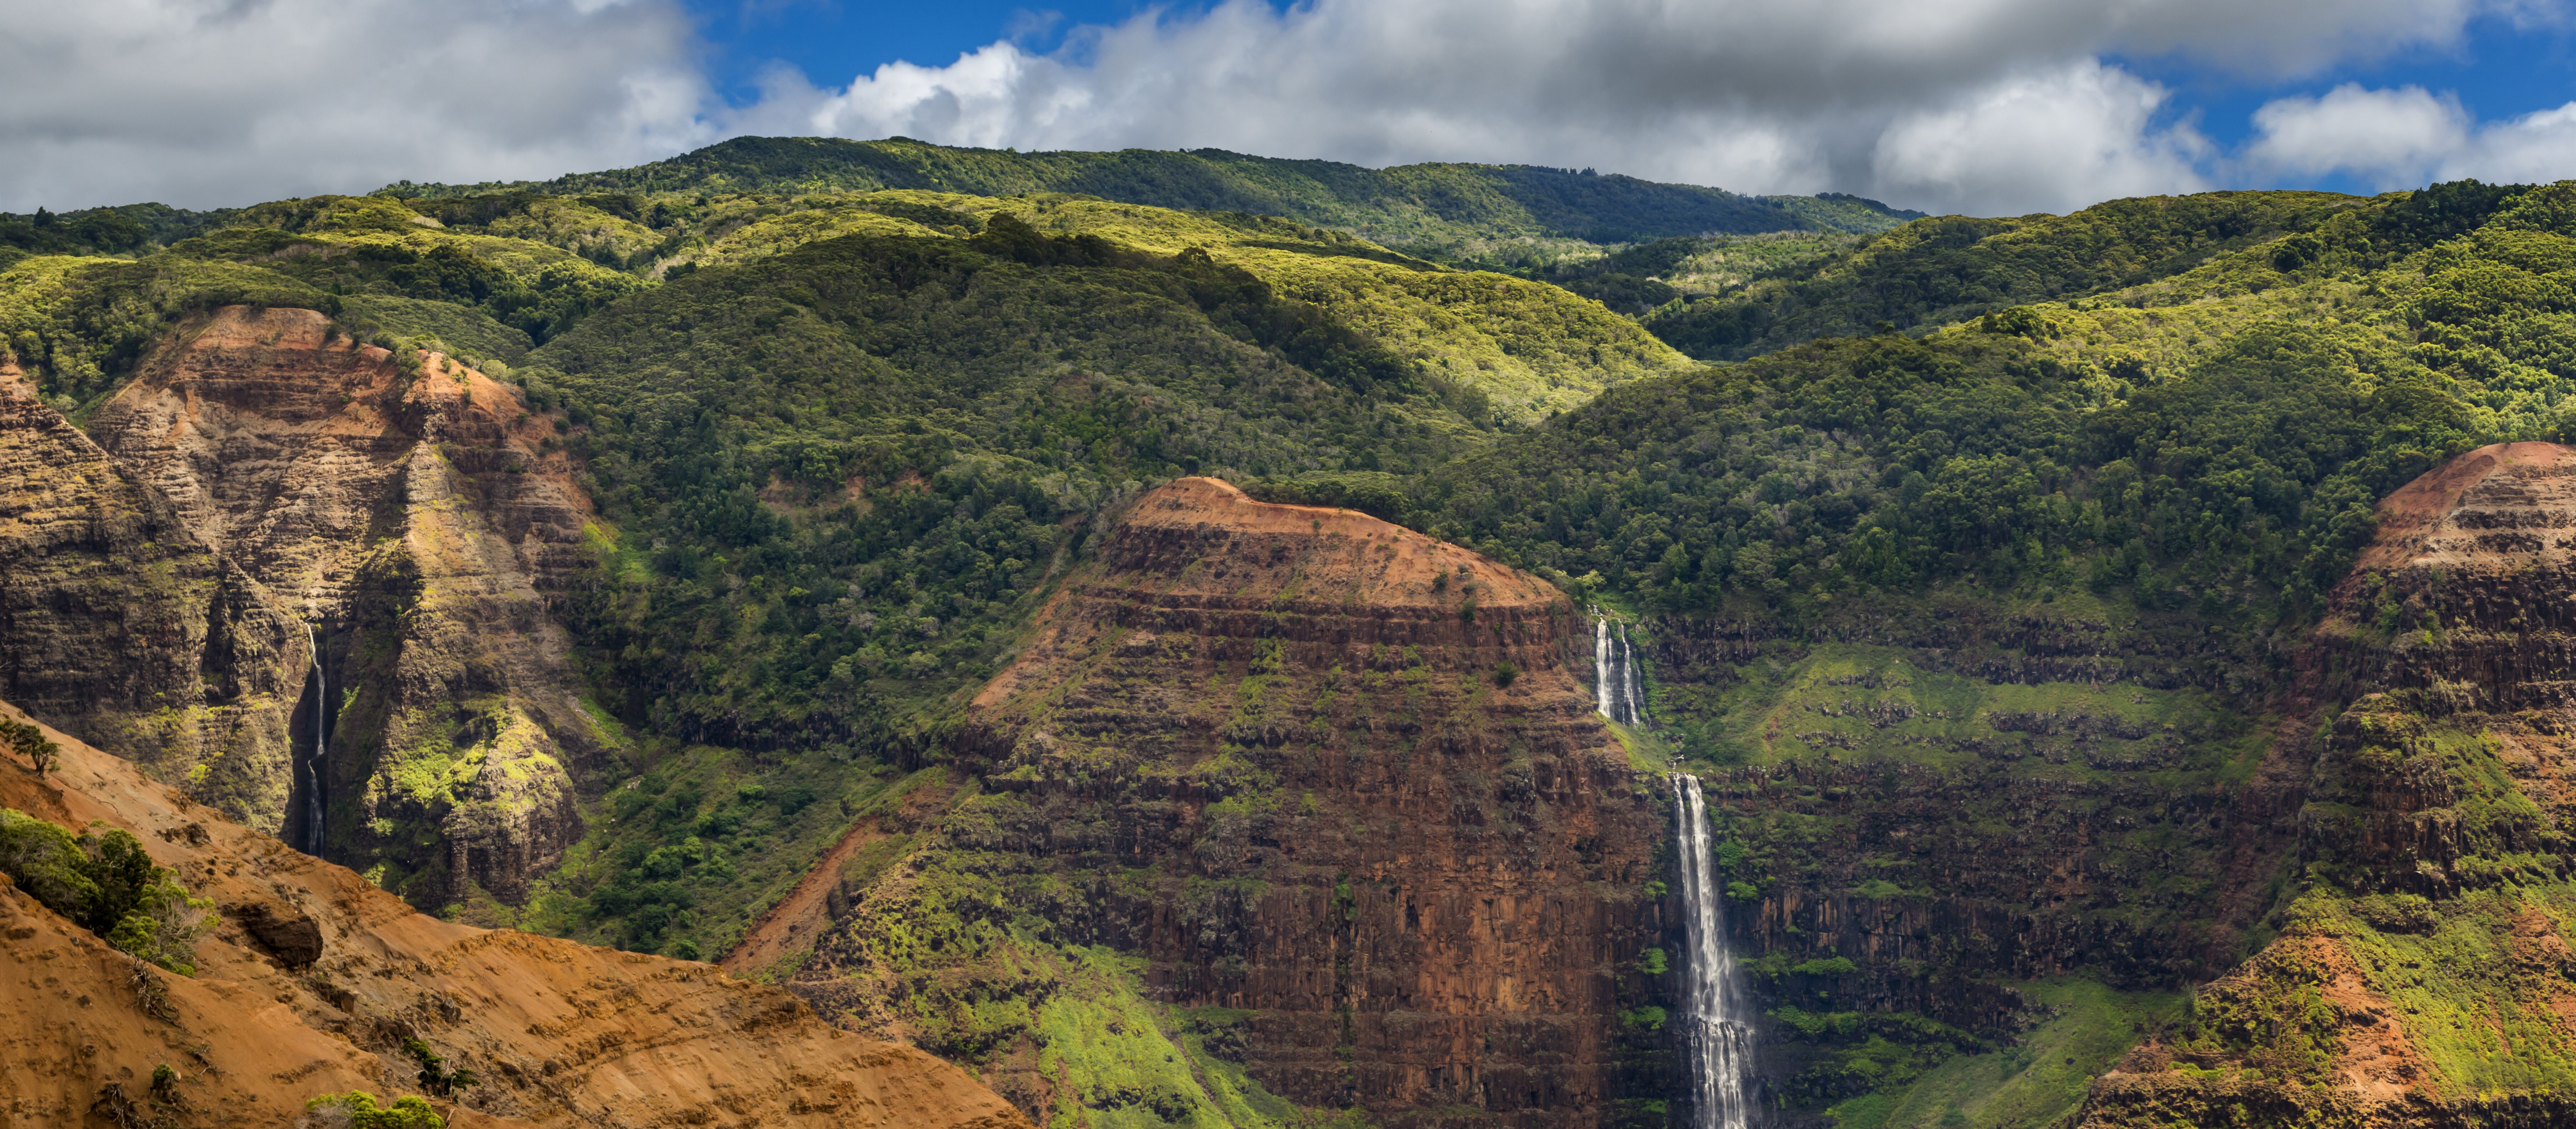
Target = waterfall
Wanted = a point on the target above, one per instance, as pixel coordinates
(321, 746)
(1615, 689)
(1716, 1036)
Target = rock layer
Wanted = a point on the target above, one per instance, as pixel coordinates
(417, 518)
(1330, 773)
(118, 622)
(316, 977)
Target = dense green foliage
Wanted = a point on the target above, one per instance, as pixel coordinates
(1936, 271)
(1431, 205)
(106, 884)
(99, 231)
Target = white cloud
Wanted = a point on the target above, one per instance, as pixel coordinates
(1980, 105)
(1990, 106)
(2396, 138)
(2041, 142)
(2392, 137)
(200, 103)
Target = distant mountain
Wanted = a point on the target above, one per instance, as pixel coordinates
(1407, 205)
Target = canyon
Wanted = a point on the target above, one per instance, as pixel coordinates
(1064, 662)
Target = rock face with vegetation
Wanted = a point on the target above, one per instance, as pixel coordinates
(124, 625)
(312, 982)
(419, 521)
(2423, 975)
(1339, 789)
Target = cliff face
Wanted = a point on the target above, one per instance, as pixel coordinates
(1335, 790)
(415, 518)
(124, 625)
(2423, 972)
(315, 977)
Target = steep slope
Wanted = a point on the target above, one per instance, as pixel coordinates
(265, 485)
(316, 977)
(418, 518)
(2422, 972)
(1334, 792)
(122, 624)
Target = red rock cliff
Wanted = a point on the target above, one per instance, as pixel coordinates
(417, 519)
(1325, 771)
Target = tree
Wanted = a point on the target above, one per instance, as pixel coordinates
(30, 742)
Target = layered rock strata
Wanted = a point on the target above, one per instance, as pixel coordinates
(416, 518)
(1335, 778)
(316, 977)
(119, 622)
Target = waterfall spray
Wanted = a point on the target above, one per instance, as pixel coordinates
(1716, 1036)
(321, 747)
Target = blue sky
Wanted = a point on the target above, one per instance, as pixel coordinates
(2496, 64)
(1990, 107)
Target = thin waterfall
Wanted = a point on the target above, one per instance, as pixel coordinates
(1628, 670)
(1614, 674)
(1717, 1035)
(321, 747)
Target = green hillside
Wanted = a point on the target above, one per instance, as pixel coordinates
(1427, 206)
(1935, 271)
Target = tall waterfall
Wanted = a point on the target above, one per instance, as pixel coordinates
(321, 747)
(1716, 1034)
(1614, 674)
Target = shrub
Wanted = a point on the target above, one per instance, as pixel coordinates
(107, 884)
(359, 1107)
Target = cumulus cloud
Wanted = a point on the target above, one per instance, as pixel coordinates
(199, 103)
(1989, 106)
(1982, 105)
(2395, 138)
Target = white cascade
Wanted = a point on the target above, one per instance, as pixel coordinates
(1716, 1035)
(1615, 690)
(321, 747)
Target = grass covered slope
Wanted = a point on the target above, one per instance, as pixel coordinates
(1433, 204)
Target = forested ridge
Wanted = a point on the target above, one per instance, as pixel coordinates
(850, 411)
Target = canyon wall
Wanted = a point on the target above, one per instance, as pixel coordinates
(1334, 788)
(406, 515)
(2423, 973)
(123, 625)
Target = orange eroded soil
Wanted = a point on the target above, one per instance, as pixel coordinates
(315, 977)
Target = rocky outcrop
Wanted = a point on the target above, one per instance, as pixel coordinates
(1332, 778)
(119, 622)
(316, 977)
(418, 520)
